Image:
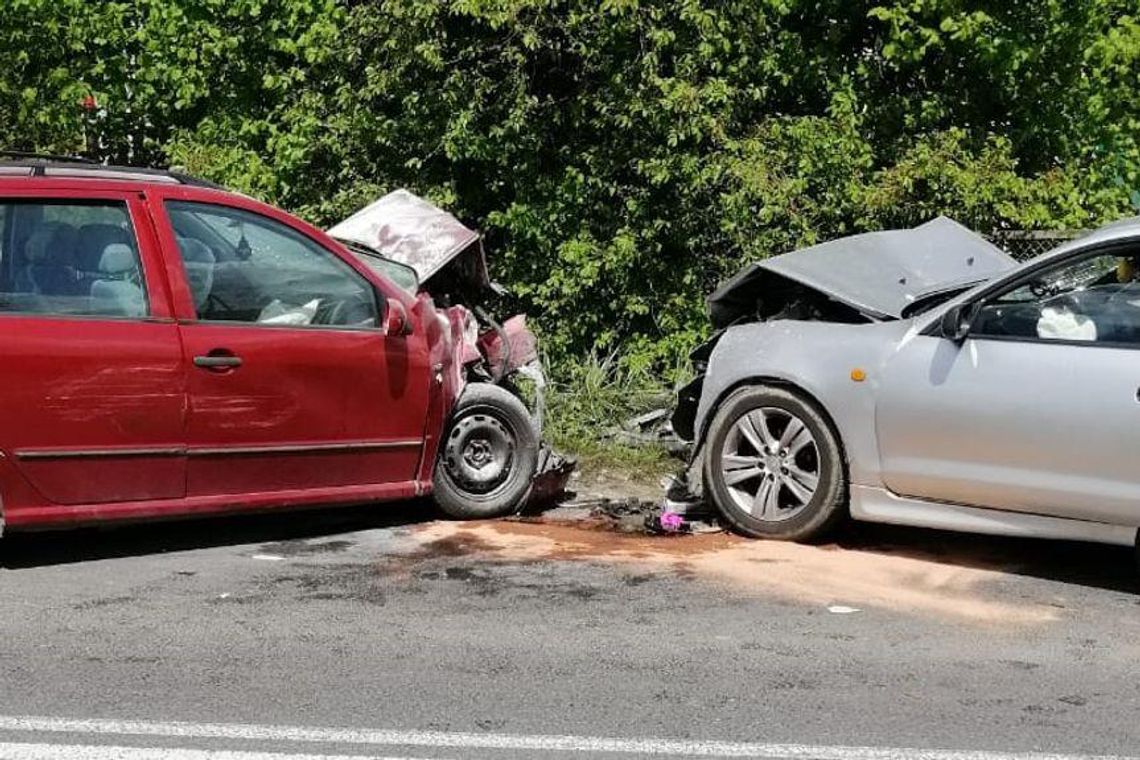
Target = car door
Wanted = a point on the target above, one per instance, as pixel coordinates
(293, 383)
(1037, 409)
(93, 384)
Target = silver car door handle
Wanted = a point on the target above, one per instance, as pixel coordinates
(217, 362)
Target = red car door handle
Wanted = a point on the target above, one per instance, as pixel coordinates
(217, 361)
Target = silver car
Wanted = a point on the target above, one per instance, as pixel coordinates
(922, 377)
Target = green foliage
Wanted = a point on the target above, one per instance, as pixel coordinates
(588, 401)
(622, 156)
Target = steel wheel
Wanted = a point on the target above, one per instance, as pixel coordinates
(479, 452)
(488, 456)
(770, 464)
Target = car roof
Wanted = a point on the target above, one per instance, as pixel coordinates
(1118, 231)
(32, 166)
(55, 175)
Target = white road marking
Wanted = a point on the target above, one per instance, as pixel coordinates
(502, 742)
(25, 751)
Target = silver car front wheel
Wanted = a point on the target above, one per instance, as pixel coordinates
(770, 464)
(773, 465)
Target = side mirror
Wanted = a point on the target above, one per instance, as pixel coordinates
(957, 321)
(397, 322)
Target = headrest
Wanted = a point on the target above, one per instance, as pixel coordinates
(117, 259)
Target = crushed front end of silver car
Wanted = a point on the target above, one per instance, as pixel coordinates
(427, 250)
(867, 278)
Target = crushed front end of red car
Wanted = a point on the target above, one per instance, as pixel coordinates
(430, 252)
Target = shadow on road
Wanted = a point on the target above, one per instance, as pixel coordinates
(24, 550)
(1094, 565)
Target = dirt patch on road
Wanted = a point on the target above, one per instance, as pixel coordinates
(823, 575)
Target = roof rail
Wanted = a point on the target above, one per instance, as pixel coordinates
(46, 164)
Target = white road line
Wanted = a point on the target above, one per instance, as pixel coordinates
(27, 751)
(507, 742)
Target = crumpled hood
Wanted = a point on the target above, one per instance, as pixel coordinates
(412, 231)
(877, 273)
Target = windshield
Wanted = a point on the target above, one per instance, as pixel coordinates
(401, 274)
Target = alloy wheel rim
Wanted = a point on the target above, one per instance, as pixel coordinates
(770, 464)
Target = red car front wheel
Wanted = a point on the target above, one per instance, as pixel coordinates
(488, 458)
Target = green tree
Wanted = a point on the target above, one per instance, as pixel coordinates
(621, 155)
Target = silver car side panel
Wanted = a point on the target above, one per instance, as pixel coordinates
(1027, 426)
(880, 505)
(817, 358)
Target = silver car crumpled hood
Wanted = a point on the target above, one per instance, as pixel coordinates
(876, 273)
(408, 229)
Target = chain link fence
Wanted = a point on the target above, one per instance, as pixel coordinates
(1026, 244)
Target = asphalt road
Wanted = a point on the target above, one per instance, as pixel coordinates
(372, 632)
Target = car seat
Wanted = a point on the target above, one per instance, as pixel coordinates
(93, 241)
(117, 292)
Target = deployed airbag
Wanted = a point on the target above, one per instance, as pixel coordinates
(1064, 324)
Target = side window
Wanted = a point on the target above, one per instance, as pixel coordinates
(69, 259)
(242, 267)
(1095, 299)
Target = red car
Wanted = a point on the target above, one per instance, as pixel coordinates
(170, 348)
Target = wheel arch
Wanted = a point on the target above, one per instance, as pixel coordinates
(818, 361)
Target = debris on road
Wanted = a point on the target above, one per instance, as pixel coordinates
(679, 498)
(627, 515)
(624, 515)
(552, 475)
(670, 522)
(667, 522)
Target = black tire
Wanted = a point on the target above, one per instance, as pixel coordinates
(822, 511)
(484, 417)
